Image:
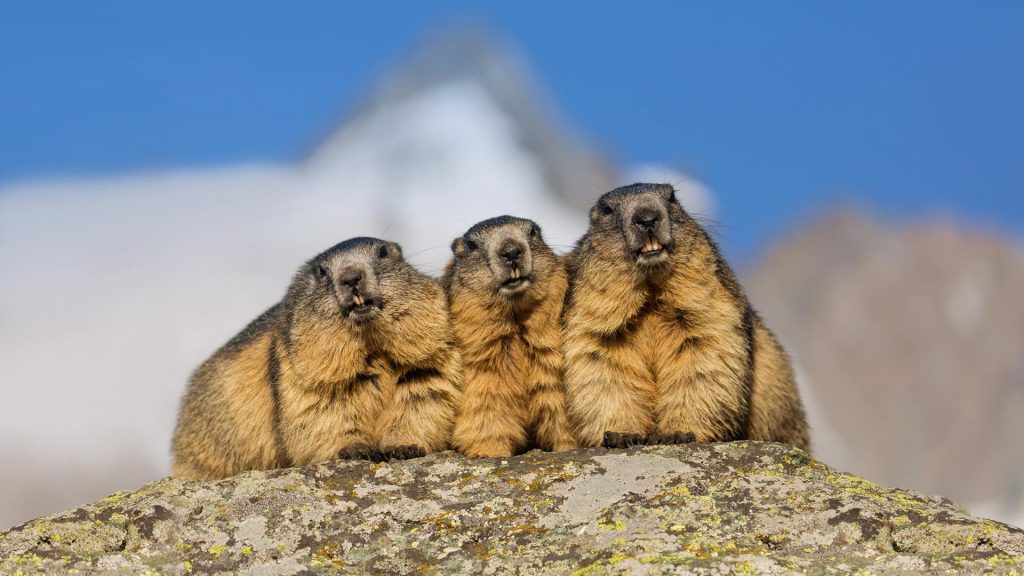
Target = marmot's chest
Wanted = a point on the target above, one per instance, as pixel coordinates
(664, 333)
(368, 380)
(509, 354)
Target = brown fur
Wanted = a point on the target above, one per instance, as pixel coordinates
(513, 392)
(312, 378)
(667, 343)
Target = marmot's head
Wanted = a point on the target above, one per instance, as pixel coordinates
(356, 281)
(642, 225)
(503, 256)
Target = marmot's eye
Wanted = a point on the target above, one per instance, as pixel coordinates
(382, 252)
(470, 245)
(606, 209)
(535, 231)
(321, 272)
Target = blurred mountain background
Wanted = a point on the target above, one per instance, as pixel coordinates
(906, 324)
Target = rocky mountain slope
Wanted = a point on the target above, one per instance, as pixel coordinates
(912, 343)
(702, 508)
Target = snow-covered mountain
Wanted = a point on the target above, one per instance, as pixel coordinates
(113, 289)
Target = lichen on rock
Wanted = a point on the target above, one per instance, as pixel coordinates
(741, 507)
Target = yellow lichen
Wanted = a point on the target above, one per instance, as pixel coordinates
(614, 525)
(680, 490)
(1004, 560)
(217, 550)
(526, 529)
(544, 502)
(589, 570)
(617, 559)
(114, 498)
(989, 527)
(601, 566)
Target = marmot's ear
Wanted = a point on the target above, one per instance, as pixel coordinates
(397, 249)
(668, 192)
(595, 213)
(458, 246)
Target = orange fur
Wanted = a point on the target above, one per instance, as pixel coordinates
(307, 380)
(513, 393)
(672, 346)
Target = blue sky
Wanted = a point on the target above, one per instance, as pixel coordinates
(782, 108)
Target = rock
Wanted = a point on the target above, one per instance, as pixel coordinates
(740, 507)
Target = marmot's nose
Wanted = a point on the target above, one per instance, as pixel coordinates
(646, 218)
(511, 252)
(351, 276)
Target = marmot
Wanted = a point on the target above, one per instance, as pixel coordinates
(660, 340)
(506, 288)
(357, 360)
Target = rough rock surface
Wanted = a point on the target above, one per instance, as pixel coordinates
(741, 508)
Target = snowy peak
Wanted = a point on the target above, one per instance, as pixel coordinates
(470, 57)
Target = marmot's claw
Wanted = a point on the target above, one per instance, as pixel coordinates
(404, 452)
(673, 438)
(623, 439)
(361, 451)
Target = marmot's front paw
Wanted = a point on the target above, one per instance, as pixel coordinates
(673, 438)
(361, 451)
(404, 452)
(564, 445)
(623, 439)
(488, 452)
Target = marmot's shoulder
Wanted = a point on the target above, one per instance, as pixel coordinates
(269, 320)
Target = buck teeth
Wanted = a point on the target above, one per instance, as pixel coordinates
(651, 245)
(515, 273)
(357, 299)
